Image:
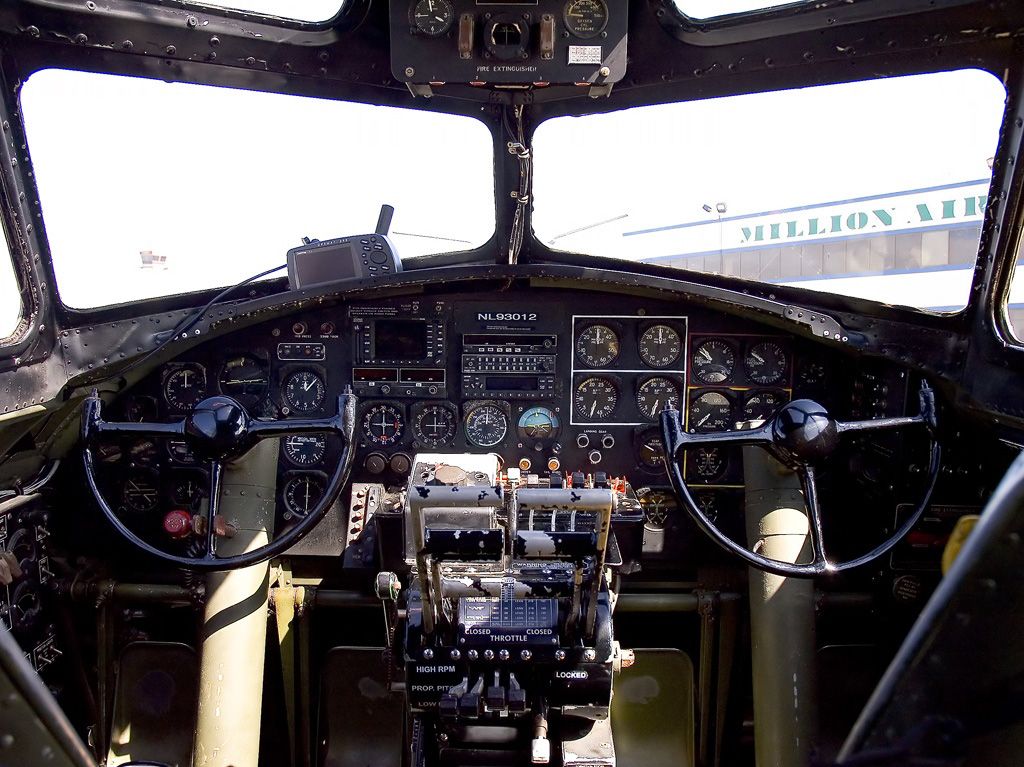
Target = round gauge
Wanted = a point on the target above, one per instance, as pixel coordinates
(656, 508)
(652, 452)
(655, 395)
(302, 494)
(142, 452)
(762, 405)
(383, 424)
(184, 387)
(713, 361)
(140, 409)
(711, 411)
(180, 451)
(245, 378)
(434, 426)
(188, 491)
(305, 390)
(660, 346)
(140, 493)
(708, 462)
(109, 452)
(586, 18)
(765, 363)
(305, 449)
(597, 346)
(433, 17)
(811, 372)
(539, 423)
(708, 504)
(595, 399)
(486, 425)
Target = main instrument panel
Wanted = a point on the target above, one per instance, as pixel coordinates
(551, 380)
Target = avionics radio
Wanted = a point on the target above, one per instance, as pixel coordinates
(399, 350)
(509, 365)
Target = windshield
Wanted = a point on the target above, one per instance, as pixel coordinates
(872, 189)
(10, 298)
(151, 188)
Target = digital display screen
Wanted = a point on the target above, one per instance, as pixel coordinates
(375, 374)
(507, 339)
(400, 339)
(512, 383)
(324, 264)
(422, 376)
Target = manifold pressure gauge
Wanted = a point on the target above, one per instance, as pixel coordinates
(432, 17)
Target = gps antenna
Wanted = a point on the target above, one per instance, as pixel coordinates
(384, 219)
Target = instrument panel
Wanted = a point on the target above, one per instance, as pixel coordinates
(530, 375)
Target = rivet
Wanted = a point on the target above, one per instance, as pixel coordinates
(192, 22)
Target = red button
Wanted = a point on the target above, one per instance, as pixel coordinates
(178, 523)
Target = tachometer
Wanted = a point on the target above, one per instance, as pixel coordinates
(305, 390)
(245, 378)
(302, 494)
(711, 411)
(655, 395)
(305, 449)
(597, 346)
(383, 424)
(185, 386)
(765, 363)
(713, 361)
(660, 346)
(586, 18)
(486, 425)
(434, 426)
(596, 398)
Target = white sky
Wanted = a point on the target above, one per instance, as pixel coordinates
(223, 182)
(707, 9)
(763, 151)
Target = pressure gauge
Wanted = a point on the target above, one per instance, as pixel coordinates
(765, 363)
(596, 398)
(713, 361)
(586, 18)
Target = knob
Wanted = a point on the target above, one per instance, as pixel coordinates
(582, 441)
(554, 464)
(525, 464)
(400, 463)
(594, 457)
(607, 441)
(178, 524)
(375, 463)
(299, 328)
